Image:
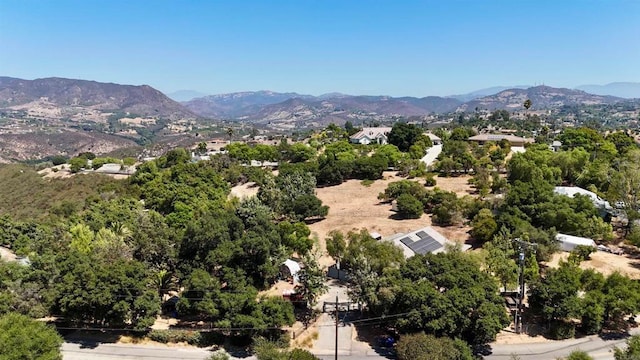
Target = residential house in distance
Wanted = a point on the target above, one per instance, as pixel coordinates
(434, 139)
(422, 241)
(556, 145)
(374, 135)
(517, 141)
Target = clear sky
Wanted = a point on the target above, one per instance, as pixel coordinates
(394, 47)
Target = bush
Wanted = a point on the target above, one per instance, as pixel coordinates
(409, 207)
(561, 330)
(59, 160)
(429, 180)
(176, 336)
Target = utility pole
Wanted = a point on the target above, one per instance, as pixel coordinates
(337, 313)
(523, 246)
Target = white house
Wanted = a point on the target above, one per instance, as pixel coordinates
(374, 135)
(434, 139)
(422, 241)
(570, 242)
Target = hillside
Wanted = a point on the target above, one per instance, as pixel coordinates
(542, 97)
(64, 97)
(25, 194)
(288, 110)
(234, 105)
(51, 116)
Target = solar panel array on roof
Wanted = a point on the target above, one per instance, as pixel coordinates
(407, 241)
(422, 234)
(425, 245)
(495, 137)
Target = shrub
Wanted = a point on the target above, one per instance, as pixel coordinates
(176, 336)
(409, 207)
(429, 180)
(561, 330)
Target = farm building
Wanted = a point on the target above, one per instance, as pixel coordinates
(289, 270)
(422, 241)
(598, 202)
(569, 242)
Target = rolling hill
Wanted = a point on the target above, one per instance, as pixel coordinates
(63, 96)
(542, 97)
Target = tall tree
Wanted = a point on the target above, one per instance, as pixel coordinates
(25, 338)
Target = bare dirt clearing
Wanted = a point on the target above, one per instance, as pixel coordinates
(355, 206)
(605, 263)
(245, 190)
(457, 184)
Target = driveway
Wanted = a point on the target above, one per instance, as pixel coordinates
(432, 154)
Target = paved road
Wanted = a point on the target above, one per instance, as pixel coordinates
(75, 351)
(598, 348)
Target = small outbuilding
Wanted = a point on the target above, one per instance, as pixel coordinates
(289, 270)
(570, 242)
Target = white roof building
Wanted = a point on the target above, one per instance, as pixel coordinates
(572, 191)
(290, 268)
(374, 135)
(434, 139)
(422, 241)
(570, 242)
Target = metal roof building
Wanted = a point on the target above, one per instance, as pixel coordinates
(422, 241)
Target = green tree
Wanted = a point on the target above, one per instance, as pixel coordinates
(336, 245)
(632, 352)
(500, 259)
(404, 135)
(447, 295)
(409, 207)
(420, 346)
(24, 338)
(484, 226)
(311, 281)
(624, 185)
(77, 163)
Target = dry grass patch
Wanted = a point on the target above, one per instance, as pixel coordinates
(604, 263)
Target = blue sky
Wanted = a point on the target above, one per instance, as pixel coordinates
(415, 48)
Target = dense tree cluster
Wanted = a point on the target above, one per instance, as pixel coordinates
(109, 263)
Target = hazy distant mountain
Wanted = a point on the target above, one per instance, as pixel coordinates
(185, 95)
(234, 105)
(485, 92)
(542, 97)
(270, 107)
(62, 96)
(629, 90)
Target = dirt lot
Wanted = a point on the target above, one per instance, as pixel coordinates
(605, 263)
(355, 206)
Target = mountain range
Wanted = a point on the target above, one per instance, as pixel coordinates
(629, 90)
(292, 109)
(50, 116)
(68, 96)
(75, 99)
